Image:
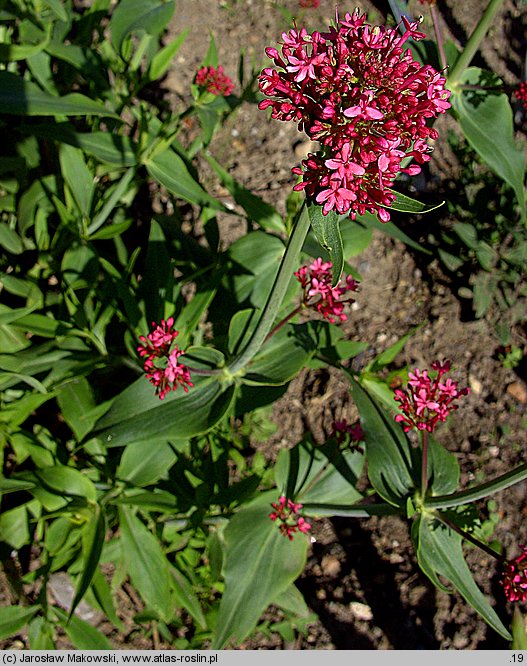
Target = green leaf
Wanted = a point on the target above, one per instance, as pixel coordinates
(111, 148)
(14, 485)
(405, 204)
(443, 469)
(440, 550)
(139, 16)
(519, 635)
(14, 528)
(260, 564)
(14, 618)
(280, 358)
(75, 399)
(389, 355)
(320, 474)
(79, 178)
(93, 535)
(257, 210)
(40, 634)
(171, 171)
(391, 468)
(293, 602)
(138, 415)
(83, 635)
(147, 565)
(186, 598)
(486, 121)
(255, 257)
(102, 594)
(163, 59)
(467, 233)
(327, 231)
(62, 480)
(23, 98)
(10, 240)
(143, 463)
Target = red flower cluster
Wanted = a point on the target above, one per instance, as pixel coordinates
(312, 4)
(161, 364)
(365, 99)
(342, 431)
(514, 577)
(285, 512)
(521, 94)
(425, 401)
(214, 80)
(320, 295)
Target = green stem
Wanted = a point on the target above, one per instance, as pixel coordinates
(479, 492)
(275, 298)
(350, 511)
(439, 37)
(284, 321)
(424, 463)
(474, 42)
(469, 537)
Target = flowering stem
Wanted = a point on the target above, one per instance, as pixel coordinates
(479, 492)
(350, 510)
(439, 37)
(275, 298)
(469, 537)
(424, 463)
(474, 42)
(284, 321)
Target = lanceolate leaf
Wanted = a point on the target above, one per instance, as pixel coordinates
(439, 551)
(260, 564)
(13, 618)
(82, 634)
(487, 123)
(23, 98)
(281, 358)
(405, 204)
(149, 16)
(171, 171)
(147, 565)
(327, 231)
(93, 541)
(137, 414)
(391, 467)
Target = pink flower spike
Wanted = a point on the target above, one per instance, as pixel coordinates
(426, 401)
(214, 80)
(286, 514)
(320, 295)
(161, 359)
(514, 577)
(356, 91)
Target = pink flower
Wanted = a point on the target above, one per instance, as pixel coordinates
(309, 3)
(360, 93)
(214, 80)
(159, 341)
(320, 295)
(342, 431)
(161, 364)
(286, 514)
(514, 577)
(427, 401)
(521, 94)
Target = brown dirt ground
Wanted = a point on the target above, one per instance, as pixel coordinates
(362, 579)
